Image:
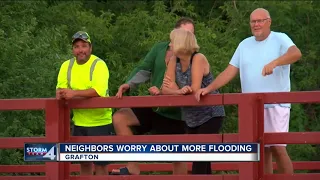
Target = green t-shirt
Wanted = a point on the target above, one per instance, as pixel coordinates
(153, 67)
(80, 80)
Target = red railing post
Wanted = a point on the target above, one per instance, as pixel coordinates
(66, 135)
(55, 133)
(260, 118)
(248, 133)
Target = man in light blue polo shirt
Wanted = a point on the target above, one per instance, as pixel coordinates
(264, 62)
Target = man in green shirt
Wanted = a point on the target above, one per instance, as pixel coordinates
(86, 75)
(157, 120)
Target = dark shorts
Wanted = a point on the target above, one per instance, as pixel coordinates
(106, 130)
(153, 122)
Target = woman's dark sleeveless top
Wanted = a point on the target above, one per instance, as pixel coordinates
(197, 115)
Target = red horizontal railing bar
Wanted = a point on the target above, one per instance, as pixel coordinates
(292, 138)
(300, 176)
(230, 138)
(162, 101)
(145, 101)
(23, 178)
(236, 98)
(158, 177)
(230, 177)
(303, 165)
(159, 167)
(279, 97)
(165, 167)
(18, 142)
(24, 104)
(185, 138)
(300, 97)
(216, 177)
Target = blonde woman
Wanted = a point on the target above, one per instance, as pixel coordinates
(190, 70)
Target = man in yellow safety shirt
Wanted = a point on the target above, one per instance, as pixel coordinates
(86, 75)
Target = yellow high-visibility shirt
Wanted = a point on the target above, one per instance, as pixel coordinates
(80, 80)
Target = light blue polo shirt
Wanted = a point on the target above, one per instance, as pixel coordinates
(251, 56)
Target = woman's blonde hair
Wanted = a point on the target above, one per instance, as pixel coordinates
(184, 42)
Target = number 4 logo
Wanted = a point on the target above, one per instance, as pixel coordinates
(50, 154)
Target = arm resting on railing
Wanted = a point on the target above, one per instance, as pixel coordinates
(169, 86)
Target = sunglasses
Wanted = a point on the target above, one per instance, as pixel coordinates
(81, 35)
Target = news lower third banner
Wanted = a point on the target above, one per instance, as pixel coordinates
(70, 152)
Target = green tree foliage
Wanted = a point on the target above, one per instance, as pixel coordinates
(35, 38)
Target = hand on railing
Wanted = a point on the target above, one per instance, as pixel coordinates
(65, 93)
(185, 90)
(122, 89)
(167, 82)
(59, 93)
(68, 93)
(154, 90)
(201, 92)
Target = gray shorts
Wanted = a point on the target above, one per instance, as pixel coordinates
(106, 130)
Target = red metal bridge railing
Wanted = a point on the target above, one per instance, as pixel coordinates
(250, 129)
